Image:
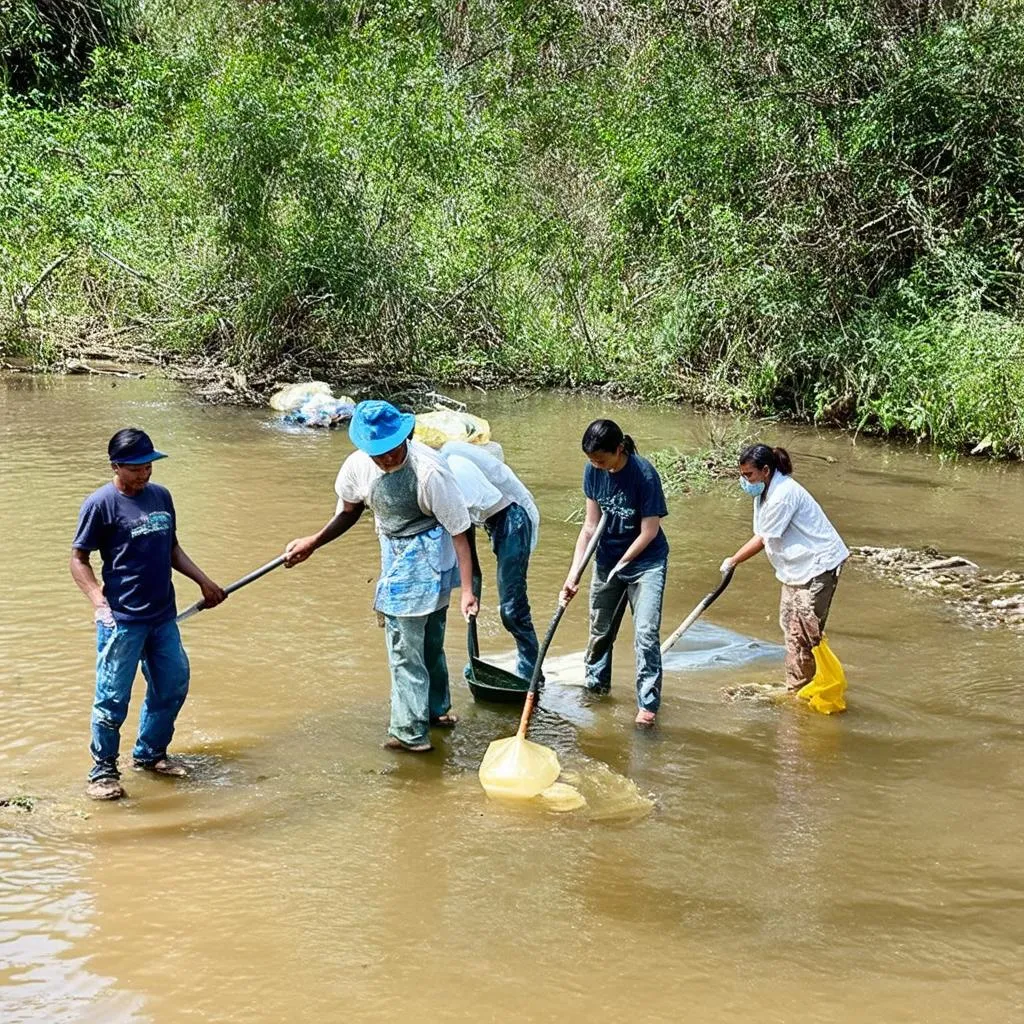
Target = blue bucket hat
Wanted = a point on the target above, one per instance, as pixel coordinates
(131, 447)
(377, 427)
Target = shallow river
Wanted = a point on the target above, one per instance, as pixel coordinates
(745, 862)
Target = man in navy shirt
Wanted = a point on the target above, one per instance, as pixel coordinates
(131, 522)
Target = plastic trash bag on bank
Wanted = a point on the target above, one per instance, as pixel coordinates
(296, 395)
(322, 411)
(437, 427)
(311, 404)
(826, 691)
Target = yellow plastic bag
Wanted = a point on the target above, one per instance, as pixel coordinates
(442, 425)
(825, 692)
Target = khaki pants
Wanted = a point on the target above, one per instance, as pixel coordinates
(803, 610)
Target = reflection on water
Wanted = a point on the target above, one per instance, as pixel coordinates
(743, 860)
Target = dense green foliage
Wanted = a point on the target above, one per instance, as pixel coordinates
(783, 206)
(46, 45)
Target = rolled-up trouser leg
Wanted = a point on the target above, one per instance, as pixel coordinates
(803, 611)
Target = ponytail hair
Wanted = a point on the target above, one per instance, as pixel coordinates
(761, 455)
(606, 436)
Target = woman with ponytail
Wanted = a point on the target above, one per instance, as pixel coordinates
(631, 560)
(803, 547)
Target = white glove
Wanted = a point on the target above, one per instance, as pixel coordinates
(726, 566)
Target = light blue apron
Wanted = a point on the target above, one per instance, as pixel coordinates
(418, 567)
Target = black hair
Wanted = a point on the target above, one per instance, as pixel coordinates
(761, 455)
(606, 436)
(125, 441)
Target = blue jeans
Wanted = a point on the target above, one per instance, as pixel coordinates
(511, 533)
(165, 666)
(419, 674)
(644, 591)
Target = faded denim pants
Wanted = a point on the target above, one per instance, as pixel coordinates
(511, 533)
(643, 591)
(119, 650)
(419, 674)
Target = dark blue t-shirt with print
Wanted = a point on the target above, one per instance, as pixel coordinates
(628, 496)
(134, 536)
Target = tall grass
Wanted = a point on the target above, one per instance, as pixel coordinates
(778, 206)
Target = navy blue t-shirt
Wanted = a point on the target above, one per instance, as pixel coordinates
(631, 494)
(134, 536)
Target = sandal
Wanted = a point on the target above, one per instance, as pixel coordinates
(392, 743)
(107, 788)
(164, 766)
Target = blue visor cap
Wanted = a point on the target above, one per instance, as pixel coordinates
(137, 454)
(377, 427)
(141, 460)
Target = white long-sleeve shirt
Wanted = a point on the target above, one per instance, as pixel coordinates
(799, 540)
(492, 486)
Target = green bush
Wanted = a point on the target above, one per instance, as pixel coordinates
(779, 207)
(46, 45)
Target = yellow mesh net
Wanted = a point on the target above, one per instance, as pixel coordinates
(518, 769)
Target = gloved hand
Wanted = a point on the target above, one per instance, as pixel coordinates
(104, 615)
(726, 566)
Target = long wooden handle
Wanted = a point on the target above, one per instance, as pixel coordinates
(531, 694)
(232, 587)
(697, 612)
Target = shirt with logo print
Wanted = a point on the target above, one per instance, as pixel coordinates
(135, 535)
(632, 494)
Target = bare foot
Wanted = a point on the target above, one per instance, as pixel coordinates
(645, 718)
(445, 721)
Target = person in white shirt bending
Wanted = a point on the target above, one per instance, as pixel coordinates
(499, 502)
(803, 547)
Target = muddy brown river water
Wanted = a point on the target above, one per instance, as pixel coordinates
(745, 863)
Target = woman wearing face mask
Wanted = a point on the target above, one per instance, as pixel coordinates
(803, 547)
(631, 561)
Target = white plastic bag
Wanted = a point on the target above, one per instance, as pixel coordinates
(296, 395)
